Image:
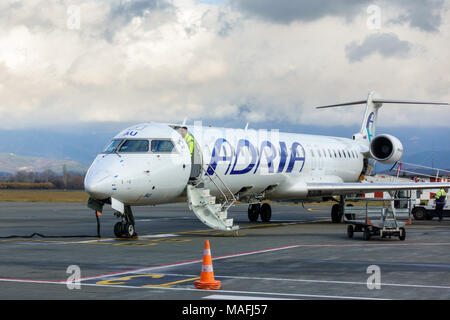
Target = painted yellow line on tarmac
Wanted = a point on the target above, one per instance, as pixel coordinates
(123, 280)
(169, 284)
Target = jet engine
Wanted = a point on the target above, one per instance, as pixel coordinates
(386, 149)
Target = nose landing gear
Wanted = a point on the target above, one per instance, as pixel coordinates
(125, 228)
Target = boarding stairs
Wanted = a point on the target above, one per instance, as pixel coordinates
(206, 207)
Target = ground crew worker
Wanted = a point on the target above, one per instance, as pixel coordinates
(189, 139)
(440, 202)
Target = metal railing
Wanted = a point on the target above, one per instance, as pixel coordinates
(438, 171)
(388, 204)
(228, 202)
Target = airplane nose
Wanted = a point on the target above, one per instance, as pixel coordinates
(98, 186)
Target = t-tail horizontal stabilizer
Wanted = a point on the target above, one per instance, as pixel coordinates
(373, 103)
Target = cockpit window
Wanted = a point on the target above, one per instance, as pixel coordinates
(162, 146)
(112, 147)
(134, 146)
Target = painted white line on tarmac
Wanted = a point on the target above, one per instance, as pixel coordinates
(424, 286)
(229, 297)
(200, 290)
(166, 235)
(240, 292)
(188, 262)
(31, 281)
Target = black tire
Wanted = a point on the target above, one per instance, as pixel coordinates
(350, 216)
(350, 231)
(118, 229)
(335, 214)
(402, 235)
(366, 234)
(128, 230)
(419, 213)
(265, 212)
(253, 212)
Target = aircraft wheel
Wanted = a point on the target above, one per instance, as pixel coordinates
(253, 212)
(265, 212)
(350, 216)
(335, 214)
(128, 229)
(118, 229)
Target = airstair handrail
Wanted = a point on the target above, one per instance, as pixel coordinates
(223, 183)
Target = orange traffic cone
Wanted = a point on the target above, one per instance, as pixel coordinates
(408, 222)
(207, 276)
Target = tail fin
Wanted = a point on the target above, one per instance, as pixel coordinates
(373, 104)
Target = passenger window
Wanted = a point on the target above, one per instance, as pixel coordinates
(134, 146)
(329, 152)
(162, 146)
(340, 155)
(320, 153)
(312, 152)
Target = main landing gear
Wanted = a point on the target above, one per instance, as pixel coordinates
(337, 211)
(125, 228)
(259, 210)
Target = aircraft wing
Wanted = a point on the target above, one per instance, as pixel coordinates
(331, 189)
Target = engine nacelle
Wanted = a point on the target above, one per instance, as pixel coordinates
(386, 149)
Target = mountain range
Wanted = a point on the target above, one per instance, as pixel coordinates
(11, 163)
(77, 146)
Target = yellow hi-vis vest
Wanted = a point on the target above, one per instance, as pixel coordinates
(190, 142)
(441, 193)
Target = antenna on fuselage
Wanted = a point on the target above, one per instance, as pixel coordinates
(246, 127)
(184, 121)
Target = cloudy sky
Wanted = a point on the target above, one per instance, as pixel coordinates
(75, 62)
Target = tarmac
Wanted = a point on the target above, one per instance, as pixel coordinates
(300, 254)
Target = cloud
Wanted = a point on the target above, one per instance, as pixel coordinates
(386, 44)
(422, 14)
(287, 11)
(425, 15)
(167, 60)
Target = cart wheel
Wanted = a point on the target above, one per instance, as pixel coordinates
(402, 235)
(350, 231)
(366, 234)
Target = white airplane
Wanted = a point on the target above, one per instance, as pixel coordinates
(150, 164)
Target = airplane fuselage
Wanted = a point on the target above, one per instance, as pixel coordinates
(253, 163)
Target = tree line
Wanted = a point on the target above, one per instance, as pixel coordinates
(47, 179)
